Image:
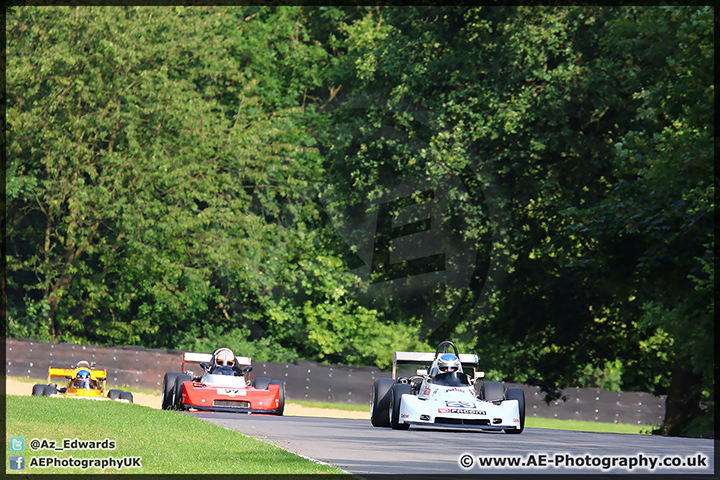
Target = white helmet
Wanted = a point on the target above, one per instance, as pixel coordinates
(224, 357)
(449, 363)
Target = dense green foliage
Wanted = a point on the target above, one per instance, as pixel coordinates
(333, 183)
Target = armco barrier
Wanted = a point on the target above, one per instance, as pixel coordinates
(144, 368)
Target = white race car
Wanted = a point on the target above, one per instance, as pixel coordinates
(445, 395)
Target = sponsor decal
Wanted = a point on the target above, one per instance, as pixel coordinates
(516, 420)
(462, 411)
(460, 404)
(232, 391)
(404, 415)
(426, 391)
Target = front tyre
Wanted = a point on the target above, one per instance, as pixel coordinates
(168, 390)
(261, 383)
(516, 393)
(281, 396)
(380, 407)
(38, 390)
(396, 393)
(114, 394)
(492, 391)
(177, 394)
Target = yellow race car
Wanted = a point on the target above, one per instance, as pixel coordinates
(83, 381)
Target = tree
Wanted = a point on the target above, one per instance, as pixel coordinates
(661, 204)
(162, 185)
(135, 156)
(553, 105)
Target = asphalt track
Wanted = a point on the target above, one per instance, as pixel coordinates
(358, 448)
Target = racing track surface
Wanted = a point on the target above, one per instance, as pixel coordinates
(358, 448)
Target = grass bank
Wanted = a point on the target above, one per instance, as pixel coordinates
(164, 441)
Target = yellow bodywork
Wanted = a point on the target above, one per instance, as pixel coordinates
(98, 379)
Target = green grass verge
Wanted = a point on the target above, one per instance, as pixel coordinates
(166, 441)
(333, 406)
(585, 426)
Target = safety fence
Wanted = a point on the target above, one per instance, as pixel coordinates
(137, 367)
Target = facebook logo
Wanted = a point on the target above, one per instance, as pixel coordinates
(17, 462)
(17, 444)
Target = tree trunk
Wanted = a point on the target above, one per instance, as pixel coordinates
(683, 400)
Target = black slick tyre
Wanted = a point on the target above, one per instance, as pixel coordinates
(380, 407)
(516, 393)
(114, 394)
(396, 393)
(261, 383)
(126, 396)
(492, 391)
(281, 404)
(177, 395)
(168, 390)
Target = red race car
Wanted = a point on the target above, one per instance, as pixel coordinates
(224, 385)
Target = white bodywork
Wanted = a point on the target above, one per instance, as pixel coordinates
(225, 381)
(455, 405)
(193, 357)
(458, 406)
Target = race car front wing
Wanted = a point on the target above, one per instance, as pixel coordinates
(483, 415)
(209, 398)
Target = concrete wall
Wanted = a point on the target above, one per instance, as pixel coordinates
(144, 368)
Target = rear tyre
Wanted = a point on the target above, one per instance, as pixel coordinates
(492, 391)
(516, 393)
(114, 394)
(38, 390)
(261, 383)
(177, 395)
(281, 396)
(126, 396)
(380, 407)
(396, 393)
(49, 390)
(168, 390)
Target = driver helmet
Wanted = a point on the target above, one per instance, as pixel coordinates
(224, 357)
(448, 363)
(83, 379)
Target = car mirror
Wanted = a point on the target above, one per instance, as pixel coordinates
(247, 369)
(422, 371)
(204, 365)
(479, 375)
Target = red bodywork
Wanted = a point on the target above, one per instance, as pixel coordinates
(200, 396)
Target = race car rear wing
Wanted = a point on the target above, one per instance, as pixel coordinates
(191, 357)
(468, 360)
